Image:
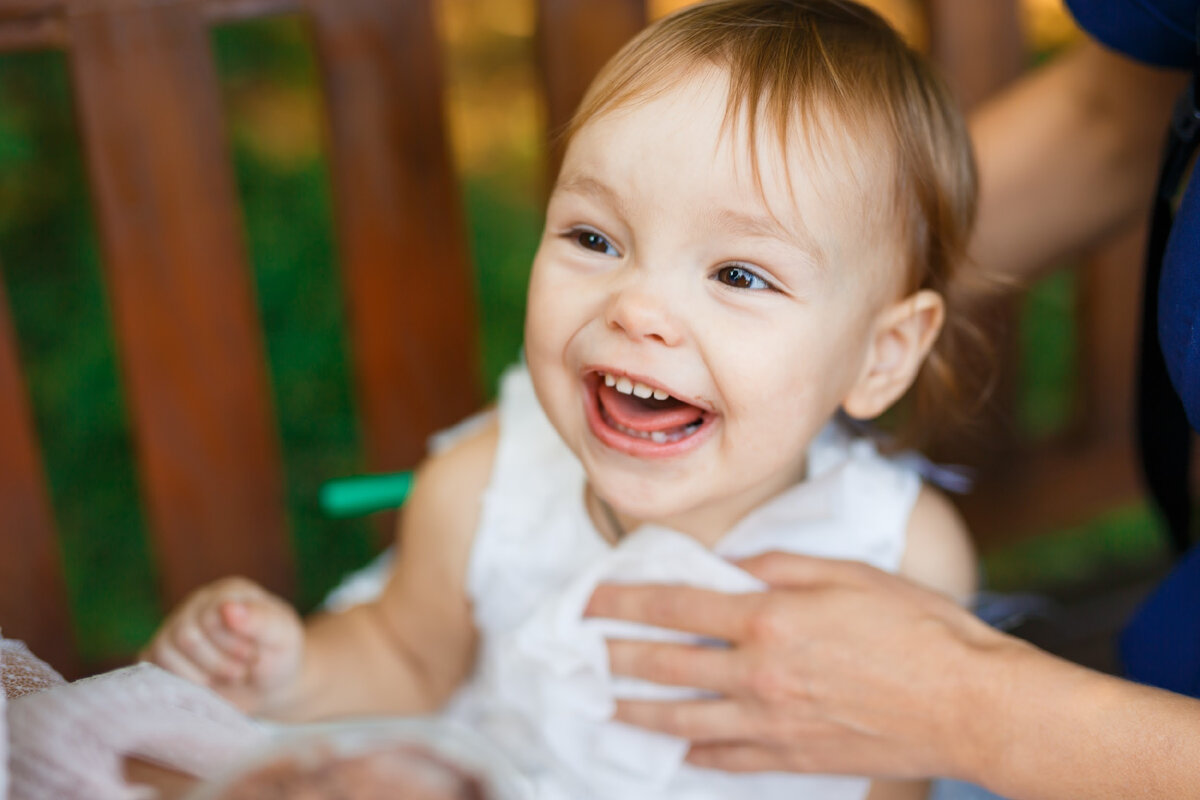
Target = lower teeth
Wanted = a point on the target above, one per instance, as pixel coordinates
(658, 437)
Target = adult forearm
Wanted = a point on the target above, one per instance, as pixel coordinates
(1045, 729)
(1067, 156)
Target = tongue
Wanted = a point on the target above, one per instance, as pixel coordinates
(649, 414)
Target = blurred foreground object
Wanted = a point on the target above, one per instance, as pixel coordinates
(70, 741)
(371, 759)
(364, 494)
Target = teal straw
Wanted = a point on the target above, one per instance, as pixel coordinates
(364, 494)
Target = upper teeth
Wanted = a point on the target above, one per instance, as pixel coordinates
(636, 388)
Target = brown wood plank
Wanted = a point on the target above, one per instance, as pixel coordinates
(19, 10)
(186, 322)
(978, 44)
(402, 242)
(221, 11)
(33, 597)
(979, 47)
(1109, 298)
(40, 31)
(1057, 485)
(575, 38)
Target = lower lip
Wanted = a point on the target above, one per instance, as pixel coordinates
(633, 445)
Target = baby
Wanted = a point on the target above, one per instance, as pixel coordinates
(758, 224)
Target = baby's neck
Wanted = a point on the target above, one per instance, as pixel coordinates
(706, 524)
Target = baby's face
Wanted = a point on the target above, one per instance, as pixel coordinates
(746, 314)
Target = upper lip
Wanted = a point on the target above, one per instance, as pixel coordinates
(653, 384)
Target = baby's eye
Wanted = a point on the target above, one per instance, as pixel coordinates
(740, 277)
(591, 240)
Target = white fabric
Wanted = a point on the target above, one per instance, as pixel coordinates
(68, 742)
(21, 673)
(542, 690)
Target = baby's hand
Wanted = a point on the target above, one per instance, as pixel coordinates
(236, 638)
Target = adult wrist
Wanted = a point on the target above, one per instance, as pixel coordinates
(1027, 708)
(986, 689)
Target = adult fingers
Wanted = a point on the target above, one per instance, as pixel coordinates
(716, 669)
(697, 720)
(684, 608)
(789, 570)
(837, 756)
(738, 757)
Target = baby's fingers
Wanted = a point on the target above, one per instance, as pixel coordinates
(176, 662)
(265, 621)
(224, 637)
(217, 663)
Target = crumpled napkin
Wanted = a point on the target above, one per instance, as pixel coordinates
(555, 670)
(70, 740)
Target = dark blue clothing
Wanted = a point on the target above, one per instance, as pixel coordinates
(1163, 33)
(1158, 32)
(1161, 645)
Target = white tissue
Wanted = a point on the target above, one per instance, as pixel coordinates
(553, 673)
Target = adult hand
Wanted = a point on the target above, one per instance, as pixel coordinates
(837, 668)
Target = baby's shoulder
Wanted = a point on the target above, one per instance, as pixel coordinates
(938, 551)
(448, 488)
(461, 470)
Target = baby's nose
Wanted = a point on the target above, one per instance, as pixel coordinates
(644, 314)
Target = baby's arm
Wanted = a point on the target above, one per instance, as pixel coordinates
(939, 555)
(403, 653)
(409, 650)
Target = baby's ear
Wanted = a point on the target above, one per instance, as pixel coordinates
(903, 334)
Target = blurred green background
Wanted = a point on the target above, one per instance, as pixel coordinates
(50, 266)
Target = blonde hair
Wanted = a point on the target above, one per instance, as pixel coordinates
(805, 60)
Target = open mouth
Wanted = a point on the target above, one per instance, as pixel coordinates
(641, 419)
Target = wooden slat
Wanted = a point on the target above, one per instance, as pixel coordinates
(33, 599)
(188, 337)
(225, 11)
(1090, 466)
(1061, 483)
(1108, 298)
(41, 24)
(575, 38)
(401, 237)
(20, 10)
(978, 44)
(36, 33)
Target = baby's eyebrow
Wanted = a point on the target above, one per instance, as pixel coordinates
(580, 183)
(766, 226)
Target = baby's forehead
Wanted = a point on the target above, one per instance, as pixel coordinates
(809, 141)
(811, 150)
(812, 178)
(777, 134)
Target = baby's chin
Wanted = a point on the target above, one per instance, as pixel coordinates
(639, 502)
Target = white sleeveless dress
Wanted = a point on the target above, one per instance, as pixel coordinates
(541, 690)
